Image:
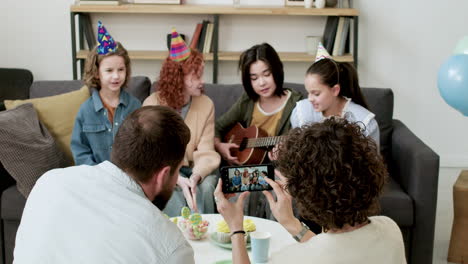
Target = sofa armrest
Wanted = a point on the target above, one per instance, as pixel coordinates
(415, 167)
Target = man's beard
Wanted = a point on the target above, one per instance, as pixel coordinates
(161, 199)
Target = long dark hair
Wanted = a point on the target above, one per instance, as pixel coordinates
(266, 53)
(342, 73)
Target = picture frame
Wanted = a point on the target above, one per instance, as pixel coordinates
(294, 2)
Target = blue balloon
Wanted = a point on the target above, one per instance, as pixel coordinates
(452, 81)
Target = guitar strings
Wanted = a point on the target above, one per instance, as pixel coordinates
(259, 142)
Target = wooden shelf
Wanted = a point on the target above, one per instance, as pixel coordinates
(142, 55)
(217, 11)
(285, 57)
(222, 56)
(214, 9)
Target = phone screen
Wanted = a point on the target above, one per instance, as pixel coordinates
(247, 178)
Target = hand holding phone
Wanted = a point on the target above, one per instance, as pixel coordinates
(247, 178)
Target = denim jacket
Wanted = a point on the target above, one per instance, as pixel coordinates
(93, 134)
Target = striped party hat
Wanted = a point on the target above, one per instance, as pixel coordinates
(179, 50)
(322, 53)
(106, 43)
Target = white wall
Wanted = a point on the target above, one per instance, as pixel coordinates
(401, 46)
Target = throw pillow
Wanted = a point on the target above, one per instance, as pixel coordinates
(58, 114)
(28, 149)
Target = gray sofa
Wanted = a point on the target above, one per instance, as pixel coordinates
(409, 198)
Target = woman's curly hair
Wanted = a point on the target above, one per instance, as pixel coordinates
(93, 60)
(171, 78)
(333, 171)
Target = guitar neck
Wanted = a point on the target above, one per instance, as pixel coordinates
(263, 142)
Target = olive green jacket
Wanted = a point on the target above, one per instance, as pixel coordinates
(241, 112)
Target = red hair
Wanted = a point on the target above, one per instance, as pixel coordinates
(171, 78)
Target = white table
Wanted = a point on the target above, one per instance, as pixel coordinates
(209, 253)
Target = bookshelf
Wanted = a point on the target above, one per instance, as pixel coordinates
(79, 53)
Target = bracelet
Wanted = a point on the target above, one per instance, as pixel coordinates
(238, 232)
(301, 234)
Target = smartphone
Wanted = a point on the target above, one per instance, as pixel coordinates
(247, 178)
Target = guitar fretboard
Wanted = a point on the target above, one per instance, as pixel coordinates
(263, 142)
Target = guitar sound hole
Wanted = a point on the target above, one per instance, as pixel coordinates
(243, 144)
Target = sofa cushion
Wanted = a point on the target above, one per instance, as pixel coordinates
(14, 84)
(49, 88)
(138, 86)
(28, 149)
(380, 101)
(58, 114)
(223, 96)
(397, 204)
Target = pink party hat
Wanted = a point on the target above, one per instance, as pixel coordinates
(322, 53)
(179, 50)
(106, 43)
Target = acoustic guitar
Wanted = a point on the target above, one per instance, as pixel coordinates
(253, 143)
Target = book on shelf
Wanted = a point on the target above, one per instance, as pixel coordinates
(338, 35)
(213, 34)
(330, 33)
(344, 4)
(208, 38)
(99, 2)
(350, 41)
(344, 37)
(201, 41)
(196, 36)
(85, 22)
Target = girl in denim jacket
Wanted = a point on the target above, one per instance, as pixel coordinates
(107, 71)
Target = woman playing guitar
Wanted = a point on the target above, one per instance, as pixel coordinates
(265, 103)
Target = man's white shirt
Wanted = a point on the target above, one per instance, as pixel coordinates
(95, 214)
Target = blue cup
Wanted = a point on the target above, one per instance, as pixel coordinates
(260, 242)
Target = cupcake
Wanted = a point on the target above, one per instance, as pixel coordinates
(223, 234)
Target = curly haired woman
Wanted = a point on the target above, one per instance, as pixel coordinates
(180, 87)
(336, 175)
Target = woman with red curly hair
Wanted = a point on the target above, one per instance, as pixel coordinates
(180, 87)
(336, 175)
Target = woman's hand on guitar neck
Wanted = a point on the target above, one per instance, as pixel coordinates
(225, 150)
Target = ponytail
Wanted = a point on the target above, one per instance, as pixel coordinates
(349, 84)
